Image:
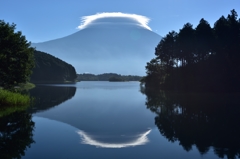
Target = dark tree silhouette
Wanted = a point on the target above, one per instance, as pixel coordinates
(204, 40)
(16, 56)
(200, 59)
(186, 43)
(166, 50)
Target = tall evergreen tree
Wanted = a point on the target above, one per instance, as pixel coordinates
(185, 42)
(204, 40)
(221, 32)
(234, 34)
(166, 49)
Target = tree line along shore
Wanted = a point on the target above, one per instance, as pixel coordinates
(204, 58)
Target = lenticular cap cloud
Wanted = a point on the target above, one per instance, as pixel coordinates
(138, 19)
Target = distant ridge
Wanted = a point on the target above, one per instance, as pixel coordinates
(107, 77)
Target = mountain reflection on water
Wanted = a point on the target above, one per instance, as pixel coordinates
(16, 134)
(203, 120)
(101, 111)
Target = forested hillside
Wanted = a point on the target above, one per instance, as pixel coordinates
(198, 59)
(107, 77)
(49, 69)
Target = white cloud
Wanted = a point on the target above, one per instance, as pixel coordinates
(139, 19)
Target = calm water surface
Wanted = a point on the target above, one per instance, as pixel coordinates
(121, 120)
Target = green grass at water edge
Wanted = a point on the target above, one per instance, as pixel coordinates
(8, 98)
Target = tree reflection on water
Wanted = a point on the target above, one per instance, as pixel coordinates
(201, 119)
(16, 134)
(47, 97)
(16, 129)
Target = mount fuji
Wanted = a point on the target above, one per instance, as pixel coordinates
(107, 42)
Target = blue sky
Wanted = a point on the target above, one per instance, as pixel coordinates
(42, 20)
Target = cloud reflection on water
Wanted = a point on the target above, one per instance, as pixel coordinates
(141, 139)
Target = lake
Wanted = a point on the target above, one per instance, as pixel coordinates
(122, 120)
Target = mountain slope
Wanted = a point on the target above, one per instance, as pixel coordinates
(123, 49)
